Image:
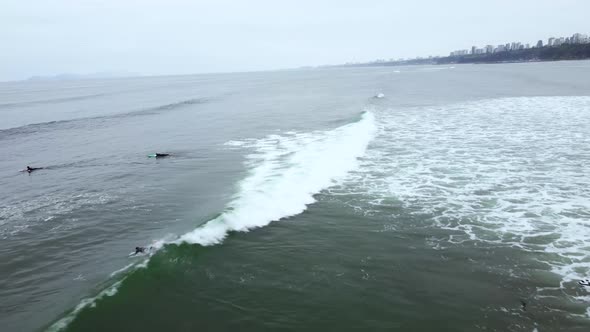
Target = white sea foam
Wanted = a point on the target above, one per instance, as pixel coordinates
(91, 301)
(234, 143)
(435, 68)
(63, 323)
(123, 269)
(286, 171)
(510, 171)
(21, 215)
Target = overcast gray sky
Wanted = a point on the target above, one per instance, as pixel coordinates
(153, 37)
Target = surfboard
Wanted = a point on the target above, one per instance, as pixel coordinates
(153, 155)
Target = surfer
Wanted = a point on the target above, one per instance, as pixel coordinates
(585, 282)
(158, 155)
(32, 169)
(139, 250)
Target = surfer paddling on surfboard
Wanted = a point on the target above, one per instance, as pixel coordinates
(141, 250)
(30, 169)
(158, 155)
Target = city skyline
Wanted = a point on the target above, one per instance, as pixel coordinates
(180, 37)
(576, 38)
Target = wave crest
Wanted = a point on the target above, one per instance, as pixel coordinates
(288, 170)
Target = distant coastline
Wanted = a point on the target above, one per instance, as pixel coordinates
(70, 76)
(555, 53)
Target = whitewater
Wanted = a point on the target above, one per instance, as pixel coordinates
(286, 172)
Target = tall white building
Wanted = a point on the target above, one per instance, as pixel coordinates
(489, 49)
(500, 48)
(514, 46)
(460, 52)
(559, 41)
(579, 38)
(551, 41)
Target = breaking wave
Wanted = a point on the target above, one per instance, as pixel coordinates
(287, 170)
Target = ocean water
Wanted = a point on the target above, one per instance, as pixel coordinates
(296, 200)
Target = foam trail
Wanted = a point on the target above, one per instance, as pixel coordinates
(123, 269)
(288, 170)
(64, 322)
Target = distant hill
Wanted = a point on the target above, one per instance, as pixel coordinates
(69, 76)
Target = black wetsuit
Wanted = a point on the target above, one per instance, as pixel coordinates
(139, 250)
(31, 169)
(160, 155)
